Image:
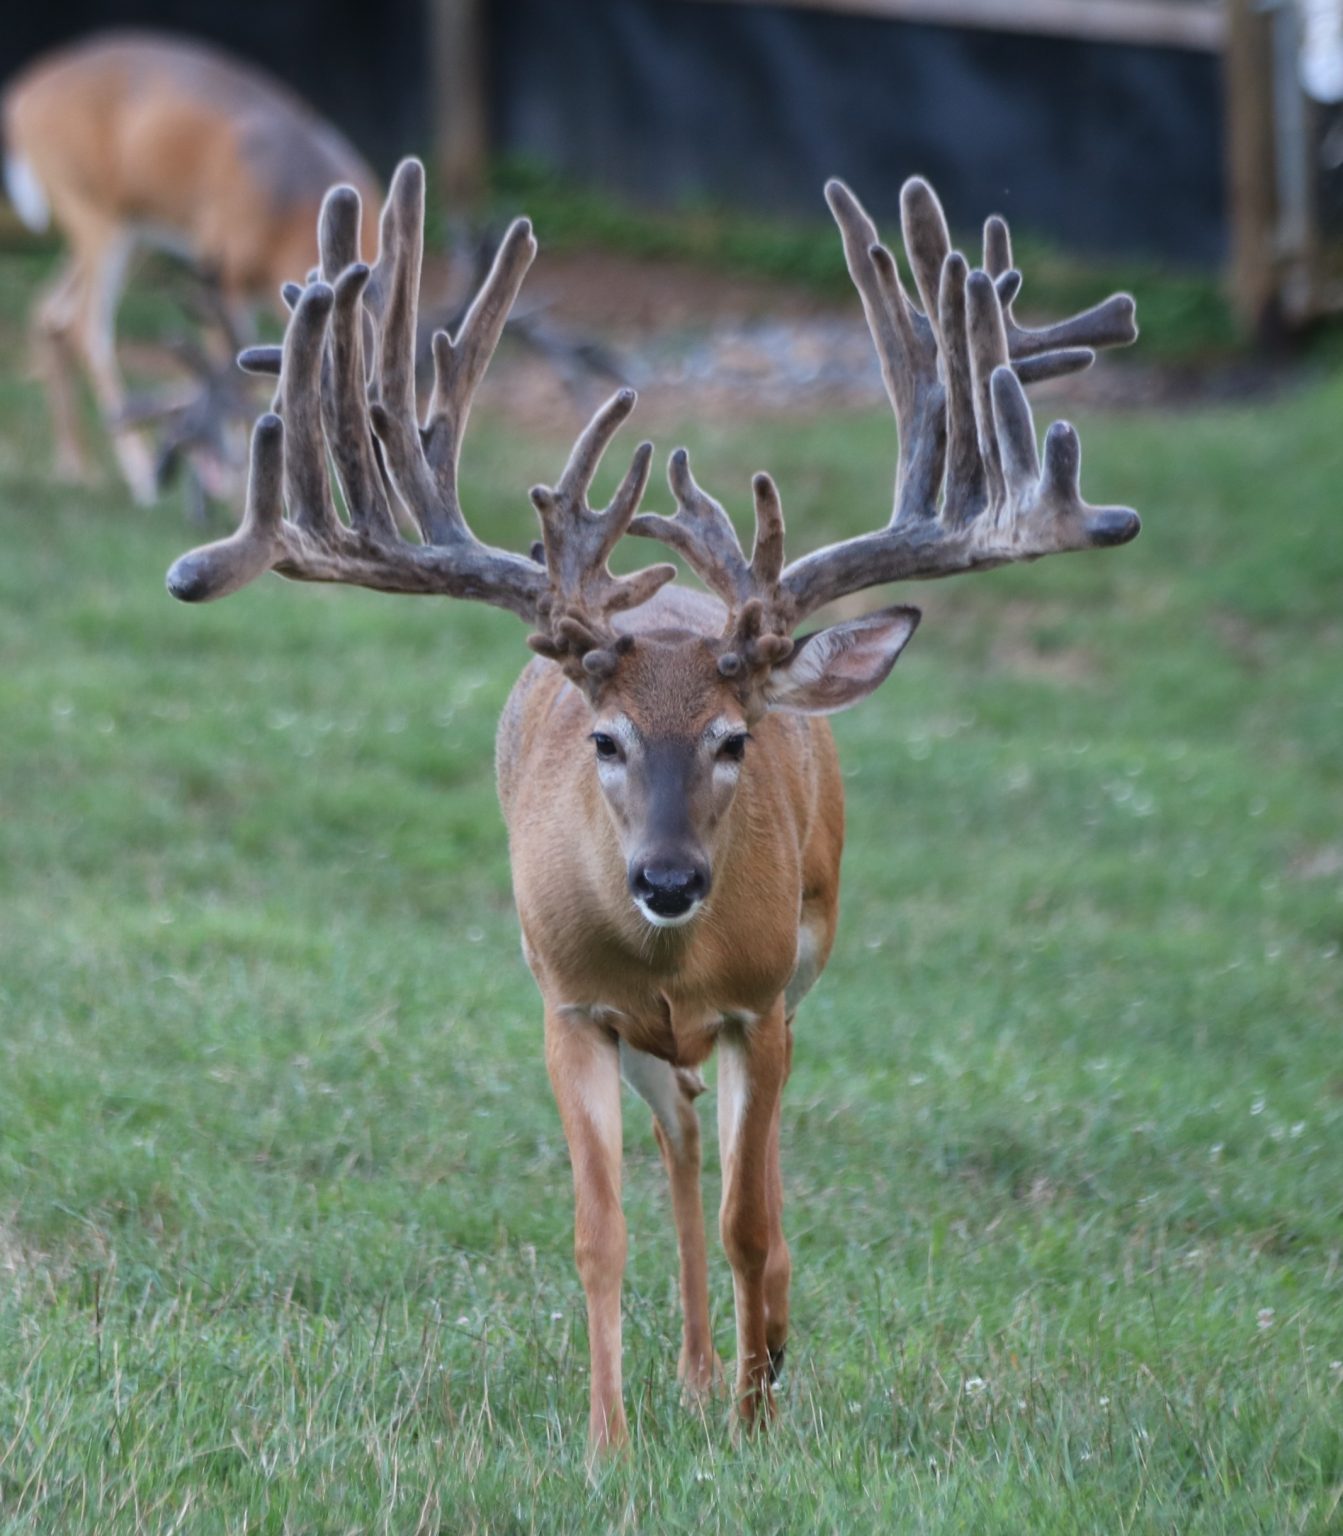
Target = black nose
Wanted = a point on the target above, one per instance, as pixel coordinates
(669, 888)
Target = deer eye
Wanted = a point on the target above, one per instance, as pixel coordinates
(606, 746)
(733, 749)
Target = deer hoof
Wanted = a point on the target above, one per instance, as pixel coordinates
(701, 1379)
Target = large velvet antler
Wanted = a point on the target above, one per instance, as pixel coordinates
(335, 408)
(970, 489)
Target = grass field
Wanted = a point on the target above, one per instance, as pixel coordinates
(284, 1203)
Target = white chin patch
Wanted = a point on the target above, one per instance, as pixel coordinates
(657, 919)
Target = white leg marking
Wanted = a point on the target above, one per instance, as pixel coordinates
(598, 1106)
(655, 1083)
(806, 969)
(591, 1089)
(26, 194)
(733, 1093)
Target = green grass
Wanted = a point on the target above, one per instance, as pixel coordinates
(284, 1203)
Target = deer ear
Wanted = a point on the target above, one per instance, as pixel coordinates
(833, 668)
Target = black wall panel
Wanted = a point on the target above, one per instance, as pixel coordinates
(1098, 145)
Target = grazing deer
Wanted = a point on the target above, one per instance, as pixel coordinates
(138, 138)
(673, 798)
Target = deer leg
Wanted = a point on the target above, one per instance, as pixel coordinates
(584, 1068)
(53, 323)
(97, 338)
(779, 1265)
(670, 1093)
(225, 309)
(752, 1067)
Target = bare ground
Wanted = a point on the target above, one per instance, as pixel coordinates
(697, 341)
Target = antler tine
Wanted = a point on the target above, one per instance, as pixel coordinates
(1068, 346)
(307, 482)
(701, 532)
(998, 256)
(263, 361)
(760, 628)
(460, 364)
(218, 569)
(987, 339)
(346, 414)
(578, 540)
(767, 552)
(338, 231)
(927, 240)
(904, 340)
(286, 464)
(338, 243)
(393, 298)
(967, 479)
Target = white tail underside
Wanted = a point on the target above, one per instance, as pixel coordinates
(25, 192)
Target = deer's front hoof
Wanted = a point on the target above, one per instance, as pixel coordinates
(702, 1377)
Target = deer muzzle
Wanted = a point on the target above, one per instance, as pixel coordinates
(667, 890)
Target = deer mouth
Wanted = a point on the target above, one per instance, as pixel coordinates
(668, 910)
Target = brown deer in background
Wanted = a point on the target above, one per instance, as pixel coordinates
(671, 788)
(139, 138)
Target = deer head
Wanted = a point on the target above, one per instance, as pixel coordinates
(672, 706)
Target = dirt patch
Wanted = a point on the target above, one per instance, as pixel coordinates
(696, 341)
(704, 344)
(18, 1262)
(1323, 863)
(630, 297)
(1246, 643)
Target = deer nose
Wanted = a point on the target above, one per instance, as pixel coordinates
(669, 887)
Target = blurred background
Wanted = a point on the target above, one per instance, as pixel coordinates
(1192, 148)
(1213, 127)
(284, 1203)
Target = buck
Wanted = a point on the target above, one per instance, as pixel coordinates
(137, 138)
(673, 798)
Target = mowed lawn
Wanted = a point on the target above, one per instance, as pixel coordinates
(284, 1202)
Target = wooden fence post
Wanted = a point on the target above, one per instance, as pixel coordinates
(460, 107)
(1250, 166)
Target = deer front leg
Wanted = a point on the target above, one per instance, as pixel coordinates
(97, 341)
(779, 1265)
(752, 1068)
(54, 355)
(584, 1068)
(670, 1093)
